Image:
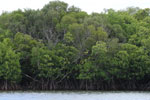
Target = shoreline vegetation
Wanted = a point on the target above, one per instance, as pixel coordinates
(63, 48)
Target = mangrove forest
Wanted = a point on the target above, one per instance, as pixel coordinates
(61, 47)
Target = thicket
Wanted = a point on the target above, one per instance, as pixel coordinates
(61, 47)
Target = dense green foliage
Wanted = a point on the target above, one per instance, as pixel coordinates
(61, 47)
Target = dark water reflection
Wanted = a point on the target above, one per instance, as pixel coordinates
(74, 95)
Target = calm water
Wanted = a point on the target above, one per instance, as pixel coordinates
(74, 95)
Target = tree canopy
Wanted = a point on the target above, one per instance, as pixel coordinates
(62, 47)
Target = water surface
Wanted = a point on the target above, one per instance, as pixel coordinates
(72, 95)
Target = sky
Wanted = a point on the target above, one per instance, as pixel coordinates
(86, 5)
